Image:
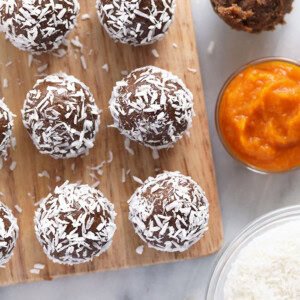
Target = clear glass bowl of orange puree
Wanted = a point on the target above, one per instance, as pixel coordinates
(258, 115)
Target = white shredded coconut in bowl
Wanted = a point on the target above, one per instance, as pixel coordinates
(268, 267)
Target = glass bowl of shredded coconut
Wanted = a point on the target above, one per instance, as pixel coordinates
(263, 262)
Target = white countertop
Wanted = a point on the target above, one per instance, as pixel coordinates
(243, 194)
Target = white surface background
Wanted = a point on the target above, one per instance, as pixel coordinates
(243, 194)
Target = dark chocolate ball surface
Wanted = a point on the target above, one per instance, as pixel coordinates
(9, 231)
(38, 26)
(136, 22)
(6, 127)
(153, 107)
(75, 224)
(169, 212)
(61, 116)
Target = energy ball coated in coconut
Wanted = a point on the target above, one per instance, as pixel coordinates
(169, 212)
(61, 116)
(153, 107)
(252, 15)
(9, 231)
(38, 26)
(6, 127)
(75, 224)
(136, 22)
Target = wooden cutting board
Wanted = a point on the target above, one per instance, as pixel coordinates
(191, 156)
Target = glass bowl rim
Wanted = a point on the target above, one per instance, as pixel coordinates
(217, 109)
(234, 245)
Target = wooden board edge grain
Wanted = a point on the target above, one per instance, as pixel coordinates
(217, 202)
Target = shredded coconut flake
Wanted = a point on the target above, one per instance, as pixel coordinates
(96, 184)
(139, 250)
(111, 157)
(211, 47)
(76, 43)
(123, 175)
(127, 146)
(155, 154)
(42, 68)
(13, 165)
(138, 180)
(124, 72)
(85, 17)
(5, 83)
(39, 266)
(105, 67)
(83, 62)
(155, 53)
(44, 174)
(192, 70)
(18, 208)
(13, 143)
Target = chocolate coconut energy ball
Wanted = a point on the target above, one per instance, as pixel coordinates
(136, 22)
(153, 107)
(6, 127)
(169, 212)
(75, 224)
(252, 15)
(37, 25)
(9, 231)
(61, 116)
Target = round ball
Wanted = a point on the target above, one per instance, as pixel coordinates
(252, 15)
(9, 231)
(61, 116)
(38, 26)
(169, 212)
(153, 107)
(6, 127)
(136, 22)
(75, 224)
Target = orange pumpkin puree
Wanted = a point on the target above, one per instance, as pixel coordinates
(259, 116)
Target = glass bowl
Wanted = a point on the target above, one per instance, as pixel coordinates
(217, 109)
(229, 254)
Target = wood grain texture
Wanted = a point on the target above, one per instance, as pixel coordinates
(191, 156)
